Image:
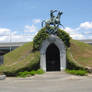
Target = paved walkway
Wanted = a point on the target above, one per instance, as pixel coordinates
(48, 82)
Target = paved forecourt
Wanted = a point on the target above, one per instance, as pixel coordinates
(48, 82)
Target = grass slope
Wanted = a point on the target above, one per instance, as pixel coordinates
(81, 53)
(24, 58)
(20, 59)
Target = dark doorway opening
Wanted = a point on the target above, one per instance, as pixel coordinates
(52, 58)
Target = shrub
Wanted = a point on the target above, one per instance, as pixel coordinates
(23, 74)
(77, 72)
(28, 73)
(64, 36)
(33, 72)
(42, 35)
(40, 71)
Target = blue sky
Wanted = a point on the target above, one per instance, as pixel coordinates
(23, 17)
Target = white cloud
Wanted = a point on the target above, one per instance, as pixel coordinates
(74, 33)
(36, 21)
(86, 25)
(6, 35)
(32, 28)
(77, 36)
(81, 32)
(4, 31)
(69, 30)
(29, 30)
(4, 38)
(21, 38)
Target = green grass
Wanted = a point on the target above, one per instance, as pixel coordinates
(39, 71)
(81, 52)
(30, 73)
(20, 59)
(77, 72)
(23, 74)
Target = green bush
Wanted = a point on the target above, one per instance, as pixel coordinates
(64, 36)
(28, 73)
(77, 72)
(40, 71)
(23, 74)
(33, 72)
(42, 35)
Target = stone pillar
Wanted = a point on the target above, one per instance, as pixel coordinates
(43, 62)
(62, 61)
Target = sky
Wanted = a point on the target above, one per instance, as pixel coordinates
(20, 20)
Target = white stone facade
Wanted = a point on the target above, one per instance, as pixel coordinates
(60, 45)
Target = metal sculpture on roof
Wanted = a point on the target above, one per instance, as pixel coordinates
(53, 23)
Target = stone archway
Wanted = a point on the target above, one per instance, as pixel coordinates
(52, 39)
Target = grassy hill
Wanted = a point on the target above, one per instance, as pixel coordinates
(81, 53)
(24, 58)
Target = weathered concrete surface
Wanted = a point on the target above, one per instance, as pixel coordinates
(49, 82)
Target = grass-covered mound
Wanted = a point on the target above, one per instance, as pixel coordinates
(80, 53)
(25, 58)
(20, 59)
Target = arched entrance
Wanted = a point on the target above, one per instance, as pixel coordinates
(52, 54)
(52, 58)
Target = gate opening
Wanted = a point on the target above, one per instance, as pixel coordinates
(52, 58)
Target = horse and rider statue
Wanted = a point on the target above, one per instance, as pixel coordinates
(53, 23)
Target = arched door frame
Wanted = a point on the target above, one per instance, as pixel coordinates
(60, 45)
